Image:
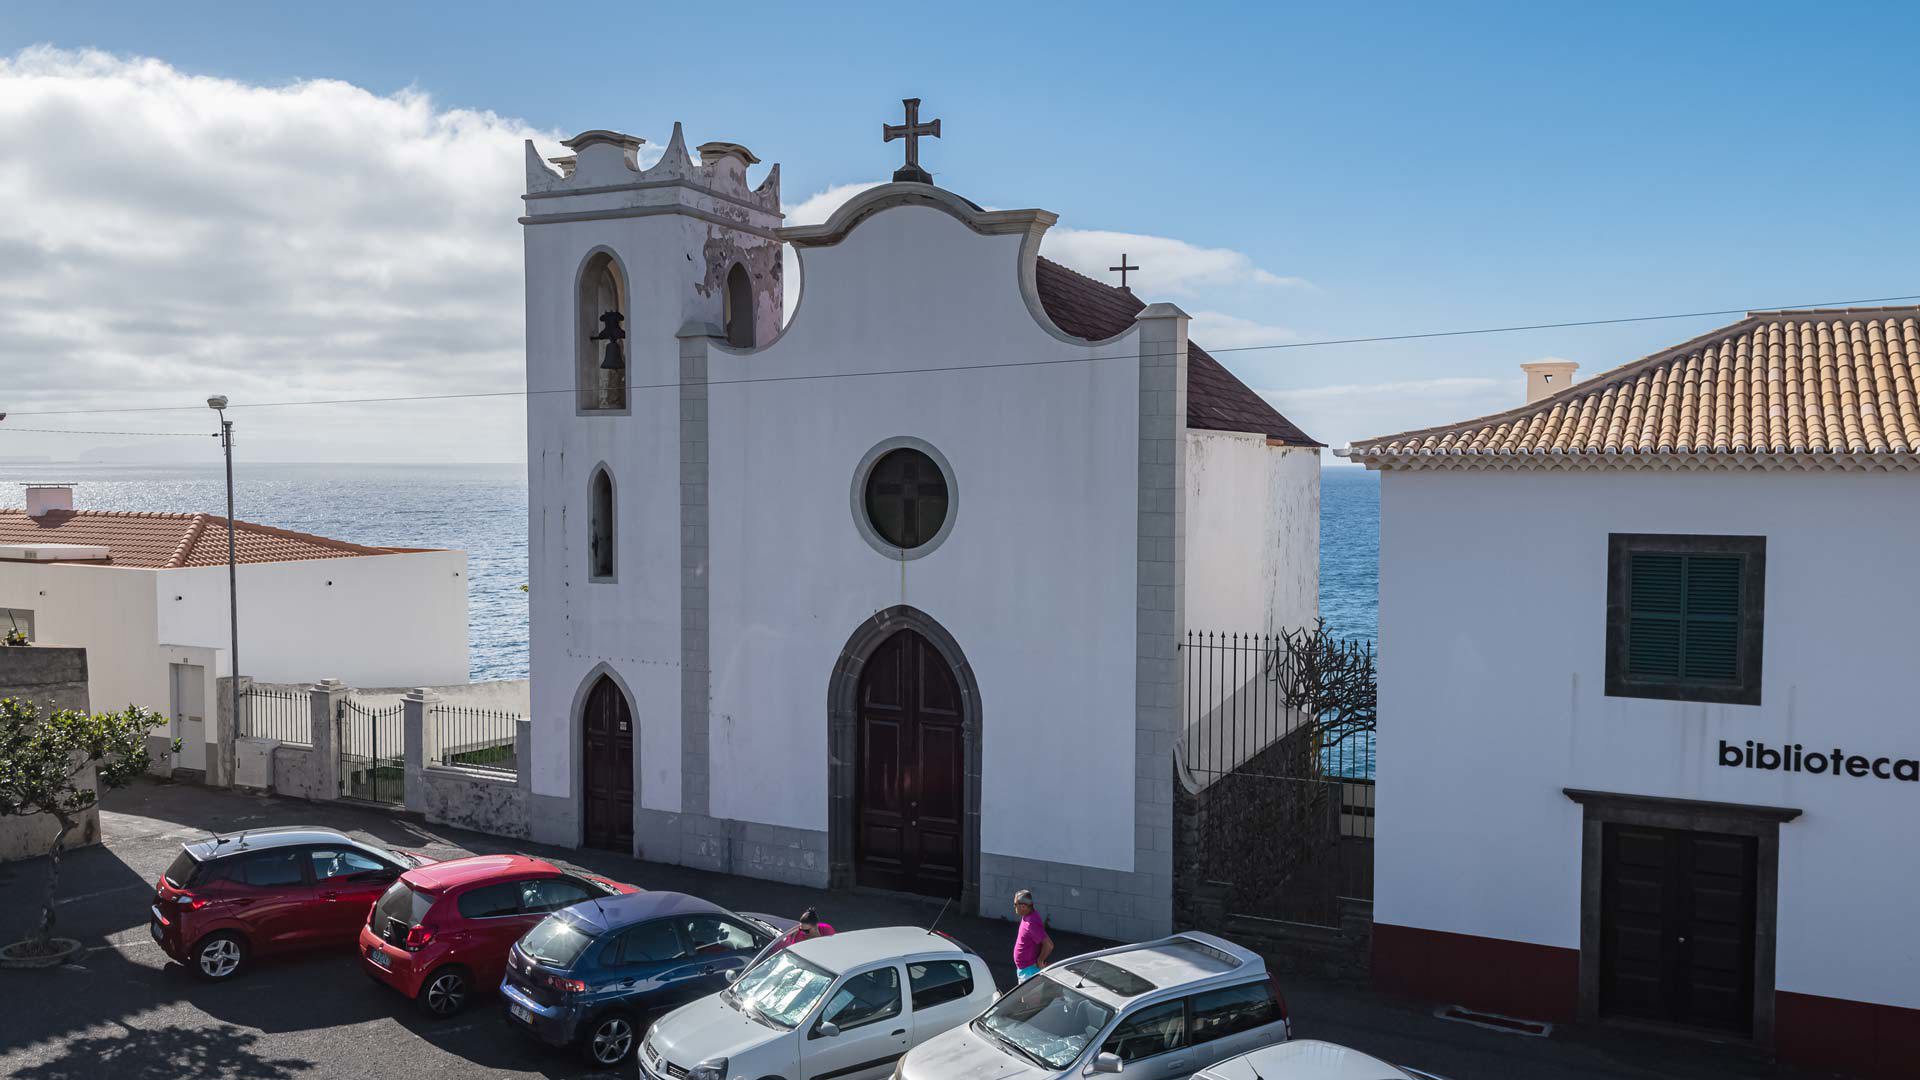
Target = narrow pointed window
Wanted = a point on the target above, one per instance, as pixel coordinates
(601, 363)
(600, 540)
(739, 308)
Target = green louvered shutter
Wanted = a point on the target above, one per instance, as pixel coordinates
(1654, 632)
(1685, 617)
(1710, 636)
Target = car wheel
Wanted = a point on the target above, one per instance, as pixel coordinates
(609, 1039)
(219, 957)
(445, 991)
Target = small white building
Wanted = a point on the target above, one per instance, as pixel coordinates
(146, 595)
(890, 594)
(1647, 738)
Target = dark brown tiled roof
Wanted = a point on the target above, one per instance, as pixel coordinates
(1216, 401)
(160, 541)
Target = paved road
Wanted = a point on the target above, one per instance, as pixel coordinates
(122, 1011)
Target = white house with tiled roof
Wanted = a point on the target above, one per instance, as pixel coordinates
(888, 594)
(146, 595)
(1648, 745)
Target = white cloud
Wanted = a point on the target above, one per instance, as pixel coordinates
(1168, 267)
(1432, 388)
(1340, 413)
(1216, 331)
(183, 234)
(816, 209)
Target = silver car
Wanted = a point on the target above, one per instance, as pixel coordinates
(1160, 1010)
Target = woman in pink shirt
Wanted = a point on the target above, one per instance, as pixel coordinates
(809, 926)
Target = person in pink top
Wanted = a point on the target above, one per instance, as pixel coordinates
(1031, 946)
(809, 926)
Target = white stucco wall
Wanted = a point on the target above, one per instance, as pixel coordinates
(1036, 580)
(1492, 624)
(632, 623)
(372, 620)
(384, 620)
(109, 611)
(1253, 534)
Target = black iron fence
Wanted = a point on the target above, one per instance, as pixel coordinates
(286, 715)
(372, 752)
(1279, 800)
(473, 738)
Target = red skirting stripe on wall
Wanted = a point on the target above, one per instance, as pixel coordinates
(1513, 978)
(1856, 1037)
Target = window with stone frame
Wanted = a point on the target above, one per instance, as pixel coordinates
(1685, 616)
(600, 527)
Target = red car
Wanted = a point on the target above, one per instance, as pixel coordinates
(443, 931)
(227, 899)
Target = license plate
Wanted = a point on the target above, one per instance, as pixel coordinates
(520, 1013)
(379, 956)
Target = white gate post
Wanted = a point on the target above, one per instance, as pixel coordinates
(324, 760)
(419, 741)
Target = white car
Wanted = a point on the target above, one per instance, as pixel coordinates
(843, 1007)
(1156, 1011)
(1308, 1059)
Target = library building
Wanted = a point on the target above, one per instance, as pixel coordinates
(1649, 740)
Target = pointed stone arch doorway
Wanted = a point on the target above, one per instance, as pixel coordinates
(606, 766)
(903, 741)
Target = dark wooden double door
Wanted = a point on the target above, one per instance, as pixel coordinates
(606, 768)
(911, 797)
(1677, 926)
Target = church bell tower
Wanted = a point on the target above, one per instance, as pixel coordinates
(622, 261)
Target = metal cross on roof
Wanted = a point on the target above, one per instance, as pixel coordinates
(1123, 268)
(911, 131)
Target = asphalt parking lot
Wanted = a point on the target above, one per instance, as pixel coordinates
(123, 1011)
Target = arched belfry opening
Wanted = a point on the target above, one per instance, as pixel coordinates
(606, 766)
(904, 746)
(601, 537)
(739, 308)
(601, 357)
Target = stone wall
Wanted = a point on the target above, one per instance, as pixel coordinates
(471, 799)
(52, 678)
(296, 772)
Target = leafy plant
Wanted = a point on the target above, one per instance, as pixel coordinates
(16, 636)
(42, 760)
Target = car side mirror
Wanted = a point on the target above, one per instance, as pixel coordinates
(827, 1029)
(1103, 1063)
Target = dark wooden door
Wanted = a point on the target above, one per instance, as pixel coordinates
(607, 765)
(1677, 926)
(911, 806)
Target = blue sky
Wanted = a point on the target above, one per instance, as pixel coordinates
(1417, 168)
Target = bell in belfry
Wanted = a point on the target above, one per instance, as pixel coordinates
(615, 357)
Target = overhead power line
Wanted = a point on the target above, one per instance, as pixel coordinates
(75, 431)
(1321, 343)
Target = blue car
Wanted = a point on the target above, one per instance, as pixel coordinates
(592, 975)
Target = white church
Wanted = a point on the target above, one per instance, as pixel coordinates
(885, 590)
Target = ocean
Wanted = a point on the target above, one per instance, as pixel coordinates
(482, 509)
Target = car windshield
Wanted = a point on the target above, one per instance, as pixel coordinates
(556, 941)
(397, 858)
(1045, 1022)
(783, 988)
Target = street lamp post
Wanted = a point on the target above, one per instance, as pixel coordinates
(218, 403)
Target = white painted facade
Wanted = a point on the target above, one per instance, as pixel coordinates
(371, 620)
(1493, 594)
(1251, 503)
(742, 571)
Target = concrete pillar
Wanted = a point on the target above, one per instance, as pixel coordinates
(418, 742)
(326, 696)
(228, 728)
(523, 753)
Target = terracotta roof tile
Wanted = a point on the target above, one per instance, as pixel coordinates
(1216, 401)
(139, 539)
(1796, 383)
